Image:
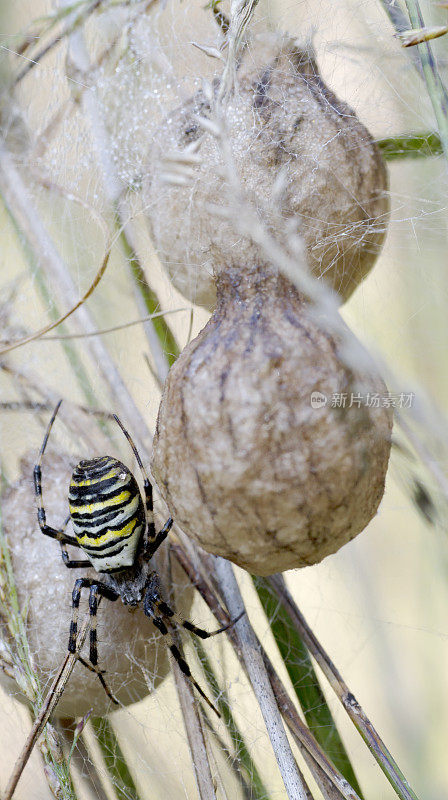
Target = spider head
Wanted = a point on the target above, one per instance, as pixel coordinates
(90, 466)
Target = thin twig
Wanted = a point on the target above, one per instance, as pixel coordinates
(351, 705)
(31, 381)
(123, 326)
(16, 654)
(233, 758)
(400, 23)
(241, 13)
(72, 414)
(35, 405)
(242, 758)
(51, 325)
(332, 784)
(50, 703)
(195, 734)
(305, 682)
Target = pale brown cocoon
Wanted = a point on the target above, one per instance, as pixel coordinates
(303, 160)
(248, 468)
(129, 647)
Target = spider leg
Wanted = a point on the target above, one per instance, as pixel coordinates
(77, 564)
(54, 533)
(96, 590)
(153, 595)
(153, 540)
(156, 539)
(99, 673)
(155, 608)
(164, 626)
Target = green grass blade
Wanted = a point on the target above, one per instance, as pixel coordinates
(306, 685)
(151, 301)
(114, 759)
(412, 145)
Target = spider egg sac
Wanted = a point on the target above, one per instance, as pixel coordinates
(130, 650)
(254, 455)
(302, 158)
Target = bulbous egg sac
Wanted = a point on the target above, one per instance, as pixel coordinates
(252, 464)
(303, 159)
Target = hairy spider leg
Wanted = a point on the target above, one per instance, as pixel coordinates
(153, 540)
(164, 625)
(54, 533)
(153, 595)
(97, 590)
(168, 612)
(163, 617)
(100, 675)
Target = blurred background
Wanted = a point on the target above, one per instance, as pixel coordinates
(379, 605)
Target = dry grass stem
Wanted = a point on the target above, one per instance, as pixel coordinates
(260, 682)
(423, 60)
(195, 734)
(50, 703)
(326, 775)
(115, 328)
(190, 712)
(349, 702)
(241, 13)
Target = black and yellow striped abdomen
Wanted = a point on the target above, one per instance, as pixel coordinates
(107, 512)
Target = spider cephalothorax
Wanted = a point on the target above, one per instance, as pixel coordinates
(115, 529)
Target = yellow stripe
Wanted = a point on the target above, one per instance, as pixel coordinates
(109, 535)
(91, 482)
(104, 504)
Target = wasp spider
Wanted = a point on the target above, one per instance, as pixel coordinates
(115, 529)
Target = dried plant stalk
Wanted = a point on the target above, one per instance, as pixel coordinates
(260, 683)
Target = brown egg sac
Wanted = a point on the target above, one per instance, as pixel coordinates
(130, 650)
(303, 159)
(248, 467)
